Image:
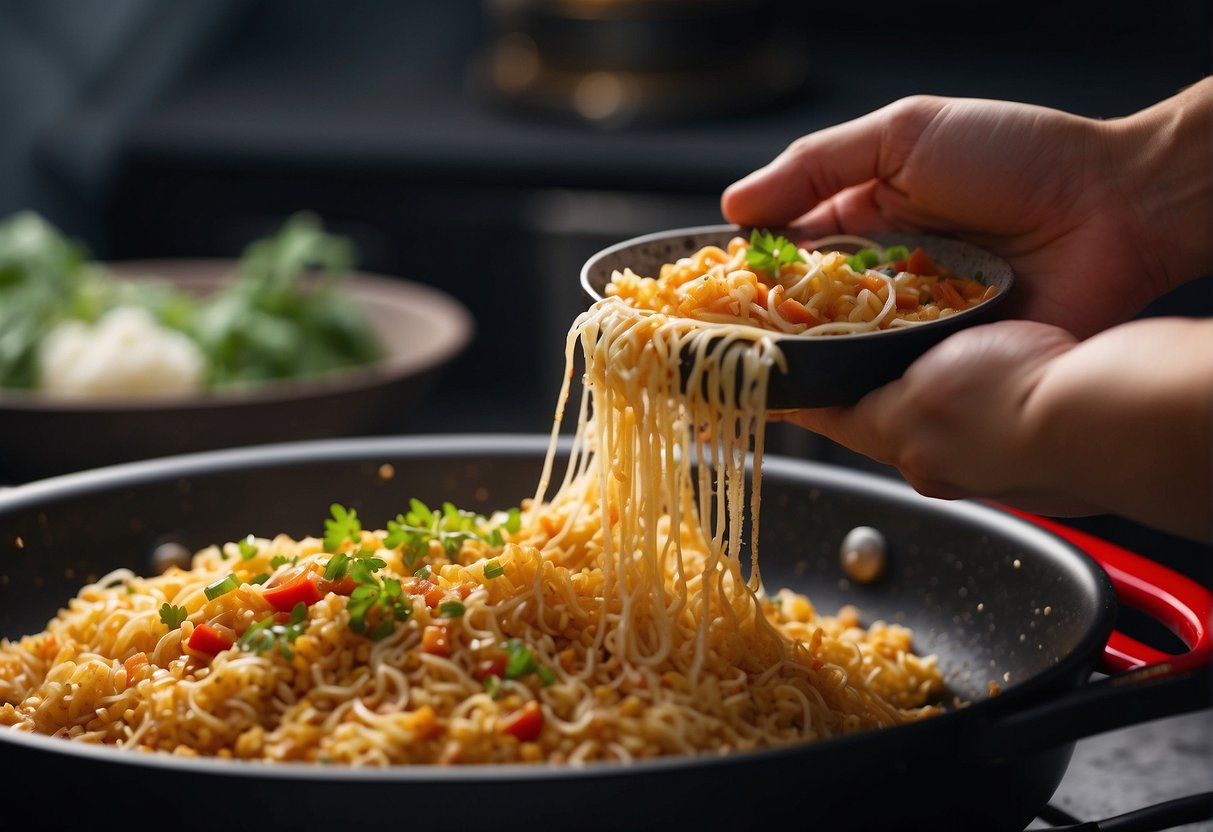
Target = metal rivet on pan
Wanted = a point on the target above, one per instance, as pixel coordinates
(170, 554)
(864, 554)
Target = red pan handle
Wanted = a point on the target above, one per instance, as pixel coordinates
(1179, 603)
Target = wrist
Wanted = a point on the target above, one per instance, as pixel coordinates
(1167, 180)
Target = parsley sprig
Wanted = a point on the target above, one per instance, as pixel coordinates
(768, 253)
(343, 526)
(387, 596)
(172, 616)
(450, 526)
(266, 635)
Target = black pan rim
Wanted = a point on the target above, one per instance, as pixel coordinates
(531, 446)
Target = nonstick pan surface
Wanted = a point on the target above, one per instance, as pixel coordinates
(995, 598)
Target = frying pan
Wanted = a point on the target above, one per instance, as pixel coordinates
(997, 598)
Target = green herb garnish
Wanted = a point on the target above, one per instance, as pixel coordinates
(248, 549)
(451, 609)
(172, 616)
(221, 587)
(520, 661)
(343, 526)
(387, 596)
(768, 253)
(493, 569)
(337, 566)
(259, 578)
(412, 532)
(266, 635)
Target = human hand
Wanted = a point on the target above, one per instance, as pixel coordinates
(1096, 218)
(958, 422)
(1024, 413)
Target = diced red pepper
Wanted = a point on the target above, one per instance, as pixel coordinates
(795, 312)
(432, 592)
(491, 667)
(300, 589)
(525, 724)
(435, 640)
(211, 639)
(464, 589)
(921, 264)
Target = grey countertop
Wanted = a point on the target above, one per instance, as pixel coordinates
(1140, 766)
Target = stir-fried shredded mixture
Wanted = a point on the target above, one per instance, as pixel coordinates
(613, 619)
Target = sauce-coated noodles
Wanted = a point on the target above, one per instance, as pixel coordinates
(614, 620)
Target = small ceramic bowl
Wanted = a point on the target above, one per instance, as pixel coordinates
(822, 370)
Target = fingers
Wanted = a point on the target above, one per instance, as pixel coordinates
(822, 164)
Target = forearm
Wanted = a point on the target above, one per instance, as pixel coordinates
(1122, 422)
(1167, 173)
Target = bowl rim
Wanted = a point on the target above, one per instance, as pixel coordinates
(743, 231)
(451, 339)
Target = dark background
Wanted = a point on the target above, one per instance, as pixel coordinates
(156, 129)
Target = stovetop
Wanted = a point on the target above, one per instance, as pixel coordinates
(1144, 765)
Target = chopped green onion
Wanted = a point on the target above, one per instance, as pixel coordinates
(423, 573)
(493, 569)
(279, 560)
(451, 609)
(863, 259)
(260, 578)
(894, 253)
(221, 587)
(248, 549)
(492, 684)
(546, 676)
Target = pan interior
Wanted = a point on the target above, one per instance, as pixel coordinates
(997, 601)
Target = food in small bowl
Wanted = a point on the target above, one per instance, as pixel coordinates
(883, 299)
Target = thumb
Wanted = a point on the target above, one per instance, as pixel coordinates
(822, 164)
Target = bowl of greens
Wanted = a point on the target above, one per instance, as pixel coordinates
(103, 363)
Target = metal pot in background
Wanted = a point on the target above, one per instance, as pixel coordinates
(617, 63)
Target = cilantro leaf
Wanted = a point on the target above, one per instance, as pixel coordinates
(343, 526)
(414, 531)
(266, 635)
(172, 616)
(768, 253)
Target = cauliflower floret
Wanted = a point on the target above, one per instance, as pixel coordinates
(125, 353)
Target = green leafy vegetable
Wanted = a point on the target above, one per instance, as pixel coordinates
(413, 532)
(172, 616)
(387, 597)
(768, 253)
(221, 587)
(266, 635)
(894, 253)
(284, 317)
(336, 568)
(343, 526)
